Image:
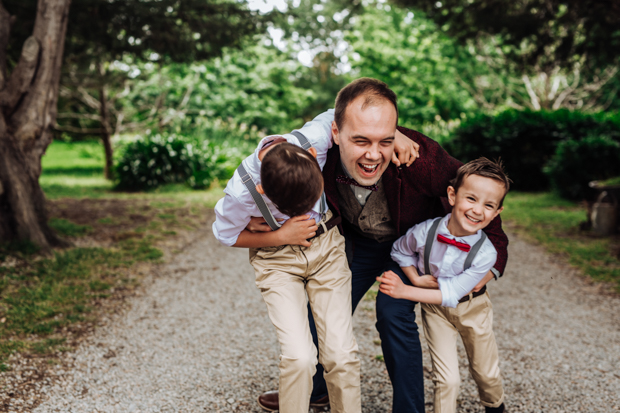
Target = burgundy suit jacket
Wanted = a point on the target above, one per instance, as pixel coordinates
(418, 192)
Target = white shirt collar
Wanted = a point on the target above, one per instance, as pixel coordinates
(443, 230)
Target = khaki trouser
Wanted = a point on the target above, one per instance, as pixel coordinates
(285, 276)
(473, 321)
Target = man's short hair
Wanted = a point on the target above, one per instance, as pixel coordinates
(374, 90)
(291, 178)
(482, 167)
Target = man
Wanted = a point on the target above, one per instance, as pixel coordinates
(378, 202)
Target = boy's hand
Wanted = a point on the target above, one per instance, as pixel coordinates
(406, 151)
(425, 281)
(297, 230)
(392, 285)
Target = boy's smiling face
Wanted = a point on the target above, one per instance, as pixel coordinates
(475, 205)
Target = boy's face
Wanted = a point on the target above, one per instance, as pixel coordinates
(475, 204)
(366, 140)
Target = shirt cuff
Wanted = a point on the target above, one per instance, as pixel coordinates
(496, 273)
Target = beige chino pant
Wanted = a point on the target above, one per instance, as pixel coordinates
(473, 321)
(287, 275)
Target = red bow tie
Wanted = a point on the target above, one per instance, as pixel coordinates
(460, 245)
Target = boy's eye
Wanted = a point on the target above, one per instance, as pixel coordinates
(471, 198)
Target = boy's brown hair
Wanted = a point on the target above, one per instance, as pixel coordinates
(291, 178)
(374, 90)
(482, 167)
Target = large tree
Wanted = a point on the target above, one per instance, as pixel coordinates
(564, 51)
(98, 29)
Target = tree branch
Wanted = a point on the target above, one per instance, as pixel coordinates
(21, 77)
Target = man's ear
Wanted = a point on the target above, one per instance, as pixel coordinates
(451, 195)
(335, 136)
(259, 188)
(312, 151)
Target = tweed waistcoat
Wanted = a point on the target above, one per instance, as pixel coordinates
(373, 220)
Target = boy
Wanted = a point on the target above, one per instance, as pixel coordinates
(291, 179)
(453, 254)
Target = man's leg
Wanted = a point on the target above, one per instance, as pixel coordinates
(400, 342)
(369, 258)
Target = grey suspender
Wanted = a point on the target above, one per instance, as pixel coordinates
(259, 200)
(430, 237)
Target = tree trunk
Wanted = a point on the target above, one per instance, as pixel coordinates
(28, 98)
(105, 132)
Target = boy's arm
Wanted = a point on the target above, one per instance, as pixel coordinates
(319, 133)
(392, 285)
(405, 252)
(455, 288)
(295, 231)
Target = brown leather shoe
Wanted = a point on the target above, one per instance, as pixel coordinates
(322, 402)
(270, 401)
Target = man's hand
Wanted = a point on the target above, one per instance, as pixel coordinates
(297, 230)
(488, 277)
(392, 285)
(426, 281)
(405, 150)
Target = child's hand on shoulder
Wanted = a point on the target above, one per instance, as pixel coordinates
(425, 281)
(392, 285)
(297, 230)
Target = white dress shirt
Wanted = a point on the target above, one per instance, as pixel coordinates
(234, 211)
(446, 261)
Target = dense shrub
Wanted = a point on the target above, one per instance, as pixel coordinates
(157, 160)
(526, 140)
(576, 163)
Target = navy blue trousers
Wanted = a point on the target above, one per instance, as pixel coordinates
(396, 324)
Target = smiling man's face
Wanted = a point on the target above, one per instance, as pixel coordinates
(366, 140)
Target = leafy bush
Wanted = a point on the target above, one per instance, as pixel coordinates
(526, 140)
(576, 163)
(156, 160)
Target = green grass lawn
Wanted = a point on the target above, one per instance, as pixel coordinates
(554, 223)
(75, 170)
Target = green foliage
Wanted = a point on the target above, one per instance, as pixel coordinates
(526, 140)
(554, 223)
(534, 33)
(157, 160)
(576, 163)
(420, 64)
(181, 31)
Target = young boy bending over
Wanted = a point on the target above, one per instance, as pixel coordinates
(291, 179)
(453, 254)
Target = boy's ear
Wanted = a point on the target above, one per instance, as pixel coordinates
(259, 188)
(335, 136)
(312, 151)
(451, 195)
(499, 210)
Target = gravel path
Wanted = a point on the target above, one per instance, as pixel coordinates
(199, 340)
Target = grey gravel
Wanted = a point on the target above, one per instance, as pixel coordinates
(199, 340)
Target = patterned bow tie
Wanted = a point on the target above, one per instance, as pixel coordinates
(460, 245)
(341, 179)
